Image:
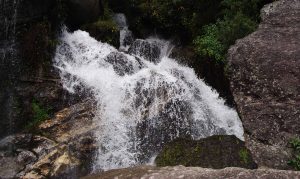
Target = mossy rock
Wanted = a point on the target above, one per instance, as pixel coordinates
(105, 31)
(213, 152)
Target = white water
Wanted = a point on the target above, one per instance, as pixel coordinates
(140, 111)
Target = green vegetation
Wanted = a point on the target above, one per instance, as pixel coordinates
(240, 18)
(295, 162)
(244, 155)
(218, 37)
(39, 114)
(212, 152)
(210, 26)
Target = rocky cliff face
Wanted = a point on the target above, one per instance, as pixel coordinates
(28, 32)
(63, 147)
(265, 81)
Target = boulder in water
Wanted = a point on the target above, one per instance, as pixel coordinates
(148, 51)
(213, 152)
(121, 64)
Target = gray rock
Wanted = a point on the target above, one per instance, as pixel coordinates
(120, 63)
(150, 172)
(264, 70)
(9, 167)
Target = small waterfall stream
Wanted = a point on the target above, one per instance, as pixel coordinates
(8, 62)
(144, 98)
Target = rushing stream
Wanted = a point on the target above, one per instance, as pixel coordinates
(144, 98)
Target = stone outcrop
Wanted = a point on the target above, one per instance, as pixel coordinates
(64, 147)
(213, 152)
(149, 172)
(264, 70)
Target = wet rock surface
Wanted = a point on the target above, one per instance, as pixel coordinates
(264, 72)
(150, 172)
(213, 152)
(63, 149)
(120, 63)
(148, 51)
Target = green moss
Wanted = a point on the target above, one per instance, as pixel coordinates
(212, 152)
(295, 162)
(39, 114)
(170, 156)
(244, 155)
(105, 30)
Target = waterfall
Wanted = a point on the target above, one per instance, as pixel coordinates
(8, 16)
(144, 98)
(126, 37)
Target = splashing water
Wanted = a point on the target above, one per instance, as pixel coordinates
(144, 98)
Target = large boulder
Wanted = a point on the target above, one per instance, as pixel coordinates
(264, 70)
(212, 152)
(121, 64)
(150, 172)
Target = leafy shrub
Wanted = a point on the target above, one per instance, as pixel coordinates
(295, 162)
(218, 37)
(209, 44)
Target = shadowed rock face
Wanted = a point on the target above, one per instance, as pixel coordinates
(148, 172)
(265, 81)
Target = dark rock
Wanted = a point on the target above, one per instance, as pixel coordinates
(211, 71)
(81, 12)
(179, 172)
(212, 152)
(148, 51)
(120, 63)
(27, 74)
(265, 77)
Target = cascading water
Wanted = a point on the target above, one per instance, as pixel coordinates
(126, 37)
(144, 98)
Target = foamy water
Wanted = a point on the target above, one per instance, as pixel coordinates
(140, 105)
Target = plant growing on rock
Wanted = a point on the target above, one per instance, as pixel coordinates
(40, 114)
(295, 162)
